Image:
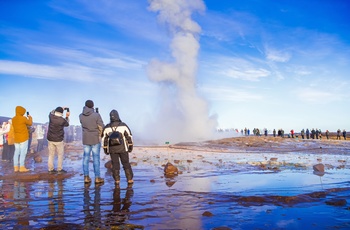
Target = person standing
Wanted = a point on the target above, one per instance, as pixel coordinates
(307, 133)
(31, 130)
(5, 128)
(10, 141)
(92, 125)
(118, 153)
(317, 133)
(327, 134)
(302, 133)
(20, 125)
(338, 134)
(55, 136)
(40, 132)
(344, 134)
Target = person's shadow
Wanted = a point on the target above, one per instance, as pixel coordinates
(121, 207)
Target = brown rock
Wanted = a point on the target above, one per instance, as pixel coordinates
(273, 159)
(108, 165)
(207, 213)
(336, 202)
(38, 159)
(222, 228)
(319, 168)
(170, 169)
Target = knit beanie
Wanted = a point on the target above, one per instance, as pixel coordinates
(89, 104)
(59, 109)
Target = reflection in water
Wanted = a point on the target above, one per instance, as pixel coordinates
(92, 210)
(239, 197)
(121, 207)
(56, 204)
(20, 200)
(170, 179)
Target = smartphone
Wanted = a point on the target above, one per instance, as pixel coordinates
(67, 109)
(96, 110)
(27, 113)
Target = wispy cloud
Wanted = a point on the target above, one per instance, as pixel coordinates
(128, 17)
(248, 69)
(97, 58)
(316, 96)
(248, 74)
(65, 71)
(222, 93)
(277, 55)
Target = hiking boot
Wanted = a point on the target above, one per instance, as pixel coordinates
(87, 179)
(61, 171)
(99, 180)
(53, 171)
(16, 168)
(23, 169)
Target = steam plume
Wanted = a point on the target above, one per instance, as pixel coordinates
(183, 115)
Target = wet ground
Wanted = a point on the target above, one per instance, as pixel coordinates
(239, 183)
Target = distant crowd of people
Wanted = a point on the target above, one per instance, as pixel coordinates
(305, 134)
(16, 137)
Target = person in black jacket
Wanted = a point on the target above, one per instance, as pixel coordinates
(118, 152)
(55, 137)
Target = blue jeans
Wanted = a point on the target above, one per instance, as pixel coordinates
(21, 153)
(95, 149)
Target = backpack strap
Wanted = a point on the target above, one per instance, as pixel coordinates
(115, 128)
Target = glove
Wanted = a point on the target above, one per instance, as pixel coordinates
(130, 148)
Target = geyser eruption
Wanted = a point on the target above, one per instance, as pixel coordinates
(183, 115)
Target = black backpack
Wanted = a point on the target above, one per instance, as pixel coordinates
(115, 138)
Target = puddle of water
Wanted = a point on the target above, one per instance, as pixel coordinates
(287, 182)
(209, 182)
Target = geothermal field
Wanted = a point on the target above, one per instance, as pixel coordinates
(233, 183)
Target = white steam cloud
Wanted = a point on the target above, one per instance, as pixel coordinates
(183, 115)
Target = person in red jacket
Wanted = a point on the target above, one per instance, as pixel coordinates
(20, 126)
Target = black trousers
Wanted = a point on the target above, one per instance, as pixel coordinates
(8, 151)
(124, 159)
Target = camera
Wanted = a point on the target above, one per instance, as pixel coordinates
(67, 109)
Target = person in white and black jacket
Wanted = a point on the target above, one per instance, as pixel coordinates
(118, 153)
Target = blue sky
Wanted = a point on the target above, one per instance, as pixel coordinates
(180, 68)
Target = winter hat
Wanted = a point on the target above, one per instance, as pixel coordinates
(89, 104)
(59, 109)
